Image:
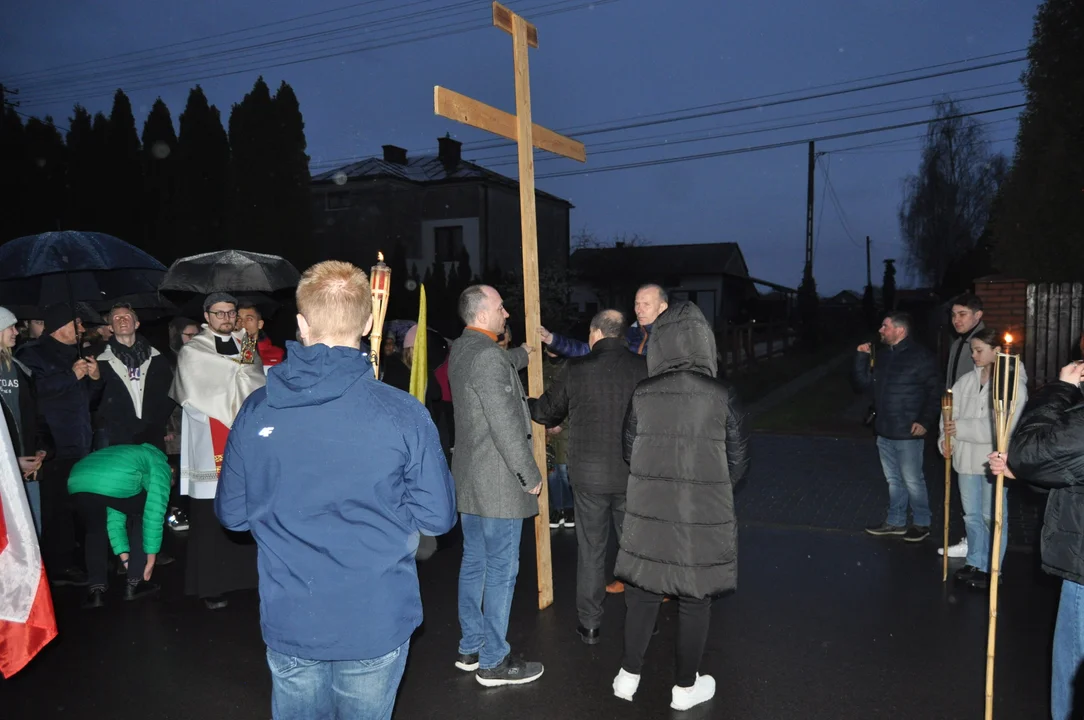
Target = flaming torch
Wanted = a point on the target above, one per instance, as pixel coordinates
(380, 283)
(1003, 385)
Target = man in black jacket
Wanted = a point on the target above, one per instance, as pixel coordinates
(135, 404)
(907, 398)
(593, 391)
(1047, 450)
(68, 385)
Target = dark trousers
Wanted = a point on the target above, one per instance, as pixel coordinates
(596, 516)
(694, 616)
(92, 508)
(58, 524)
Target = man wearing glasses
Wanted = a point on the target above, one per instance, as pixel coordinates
(214, 377)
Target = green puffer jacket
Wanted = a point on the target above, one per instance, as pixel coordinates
(122, 471)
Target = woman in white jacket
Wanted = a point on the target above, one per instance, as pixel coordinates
(973, 439)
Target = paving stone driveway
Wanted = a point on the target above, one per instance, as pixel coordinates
(836, 483)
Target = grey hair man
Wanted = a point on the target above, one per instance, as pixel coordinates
(651, 301)
(496, 481)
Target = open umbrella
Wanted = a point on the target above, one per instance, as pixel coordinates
(71, 266)
(230, 271)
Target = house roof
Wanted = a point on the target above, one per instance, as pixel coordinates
(661, 260)
(422, 170)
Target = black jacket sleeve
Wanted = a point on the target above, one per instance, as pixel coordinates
(862, 374)
(1048, 447)
(552, 408)
(931, 408)
(737, 438)
(628, 437)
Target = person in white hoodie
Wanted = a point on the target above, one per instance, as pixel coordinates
(973, 439)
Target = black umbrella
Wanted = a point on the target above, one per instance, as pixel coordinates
(230, 271)
(71, 266)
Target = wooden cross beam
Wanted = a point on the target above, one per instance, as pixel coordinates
(528, 136)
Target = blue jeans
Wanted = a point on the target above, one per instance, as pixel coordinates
(1068, 650)
(560, 489)
(902, 464)
(318, 689)
(487, 578)
(977, 496)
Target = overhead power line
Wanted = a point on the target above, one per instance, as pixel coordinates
(725, 108)
(768, 146)
(231, 68)
(791, 126)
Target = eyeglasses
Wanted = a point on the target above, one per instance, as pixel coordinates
(189, 335)
(223, 314)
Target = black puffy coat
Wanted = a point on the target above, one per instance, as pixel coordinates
(906, 388)
(687, 446)
(593, 391)
(1048, 450)
(64, 401)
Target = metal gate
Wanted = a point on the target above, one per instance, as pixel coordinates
(1055, 325)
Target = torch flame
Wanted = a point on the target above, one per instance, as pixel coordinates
(379, 256)
(1008, 338)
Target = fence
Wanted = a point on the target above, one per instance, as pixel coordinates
(746, 345)
(1053, 328)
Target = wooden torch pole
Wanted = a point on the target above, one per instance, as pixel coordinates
(946, 416)
(1006, 372)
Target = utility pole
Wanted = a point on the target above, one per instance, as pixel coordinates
(807, 274)
(869, 275)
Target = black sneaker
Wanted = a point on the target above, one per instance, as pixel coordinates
(589, 636)
(964, 574)
(980, 580)
(95, 598)
(511, 671)
(916, 533)
(141, 590)
(71, 576)
(216, 602)
(886, 529)
(467, 663)
(555, 519)
(570, 518)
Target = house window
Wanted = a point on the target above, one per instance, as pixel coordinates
(338, 200)
(448, 242)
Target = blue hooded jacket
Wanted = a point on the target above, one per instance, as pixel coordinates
(335, 474)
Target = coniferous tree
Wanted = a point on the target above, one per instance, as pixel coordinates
(14, 171)
(888, 287)
(123, 172)
(1038, 225)
(203, 167)
(253, 172)
(160, 187)
(294, 184)
(45, 187)
(83, 173)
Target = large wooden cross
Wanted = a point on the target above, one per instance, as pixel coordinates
(528, 136)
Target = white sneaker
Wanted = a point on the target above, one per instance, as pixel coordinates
(625, 685)
(685, 698)
(959, 550)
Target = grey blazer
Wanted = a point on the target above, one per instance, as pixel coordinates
(493, 466)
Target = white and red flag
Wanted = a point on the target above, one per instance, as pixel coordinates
(27, 622)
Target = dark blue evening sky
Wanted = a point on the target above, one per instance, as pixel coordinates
(597, 65)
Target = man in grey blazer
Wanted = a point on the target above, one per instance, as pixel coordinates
(496, 485)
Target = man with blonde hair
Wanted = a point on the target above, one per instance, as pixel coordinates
(337, 475)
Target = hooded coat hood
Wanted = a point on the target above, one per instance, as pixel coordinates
(322, 374)
(681, 339)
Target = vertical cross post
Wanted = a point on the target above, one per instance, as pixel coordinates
(528, 136)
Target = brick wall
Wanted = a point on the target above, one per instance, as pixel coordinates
(1005, 306)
